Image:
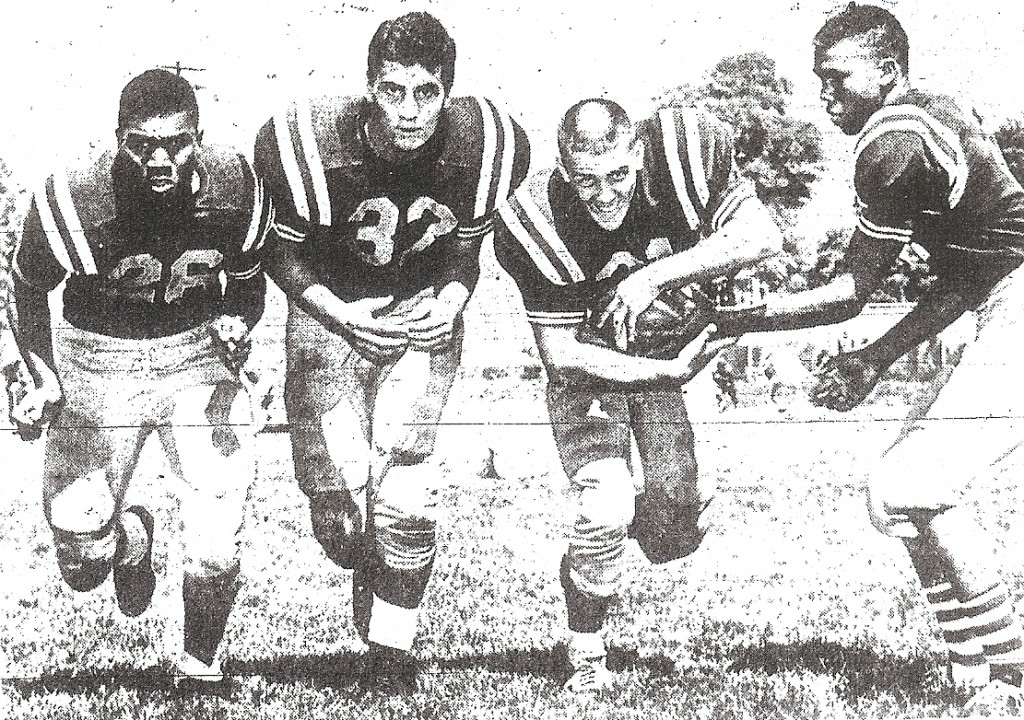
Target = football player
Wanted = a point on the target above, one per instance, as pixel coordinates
(927, 173)
(382, 202)
(661, 198)
(159, 242)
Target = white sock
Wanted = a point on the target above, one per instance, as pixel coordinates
(391, 625)
(135, 539)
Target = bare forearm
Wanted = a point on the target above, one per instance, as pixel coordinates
(935, 311)
(743, 242)
(33, 330)
(832, 303)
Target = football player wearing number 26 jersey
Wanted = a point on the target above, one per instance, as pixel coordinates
(159, 242)
(382, 202)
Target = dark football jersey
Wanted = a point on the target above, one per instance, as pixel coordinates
(557, 254)
(367, 227)
(136, 276)
(926, 172)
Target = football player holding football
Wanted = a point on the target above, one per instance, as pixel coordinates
(927, 173)
(661, 201)
(159, 243)
(383, 202)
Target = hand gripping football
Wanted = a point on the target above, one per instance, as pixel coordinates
(673, 320)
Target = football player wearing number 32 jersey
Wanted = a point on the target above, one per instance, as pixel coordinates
(159, 242)
(383, 202)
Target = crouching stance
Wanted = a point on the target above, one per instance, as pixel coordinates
(146, 238)
(383, 202)
(658, 201)
(926, 173)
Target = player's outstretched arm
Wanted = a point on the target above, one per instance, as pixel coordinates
(749, 237)
(869, 260)
(572, 361)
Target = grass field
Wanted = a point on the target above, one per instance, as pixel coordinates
(792, 608)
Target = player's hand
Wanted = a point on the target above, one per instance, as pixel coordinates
(34, 397)
(434, 327)
(845, 380)
(231, 340)
(379, 340)
(701, 351)
(633, 295)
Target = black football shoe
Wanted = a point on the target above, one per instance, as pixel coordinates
(391, 671)
(134, 584)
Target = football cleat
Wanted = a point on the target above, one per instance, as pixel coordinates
(590, 676)
(189, 670)
(997, 698)
(134, 584)
(968, 677)
(391, 671)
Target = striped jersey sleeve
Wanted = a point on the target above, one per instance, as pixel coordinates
(698, 149)
(530, 249)
(53, 243)
(288, 160)
(247, 262)
(906, 162)
(504, 163)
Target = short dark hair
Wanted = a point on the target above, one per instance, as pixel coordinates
(593, 125)
(155, 93)
(416, 38)
(879, 28)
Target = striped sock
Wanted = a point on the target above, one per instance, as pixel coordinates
(967, 664)
(996, 626)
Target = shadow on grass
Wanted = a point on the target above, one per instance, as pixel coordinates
(864, 673)
(336, 670)
(550, 663)
(145, 682)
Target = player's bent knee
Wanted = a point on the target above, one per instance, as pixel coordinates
(212, 557)
(667, 532)
(409, 493)
(337, 525)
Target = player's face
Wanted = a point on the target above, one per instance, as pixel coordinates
(606, 182)
(409, 100)
(163, 151)
(854, 82)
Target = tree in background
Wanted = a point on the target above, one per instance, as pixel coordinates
(783, 156)
(780, 153)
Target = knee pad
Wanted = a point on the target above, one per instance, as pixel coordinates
(209, 558)
(405, 515)
(338, 526)
(667, 531)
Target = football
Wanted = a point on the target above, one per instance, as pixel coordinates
(672, 321)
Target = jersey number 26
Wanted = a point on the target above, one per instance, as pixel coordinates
(139, 276)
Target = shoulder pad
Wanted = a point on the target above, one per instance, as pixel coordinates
(482, 137)
(226, 180)
(530, 219)
(941, 141)
(684, 146)
(91, 190)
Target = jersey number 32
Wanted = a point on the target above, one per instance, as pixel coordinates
(378, 220)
